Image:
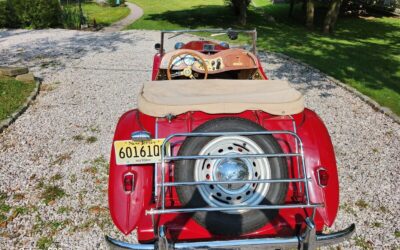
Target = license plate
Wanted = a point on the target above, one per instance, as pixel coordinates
(138, 152)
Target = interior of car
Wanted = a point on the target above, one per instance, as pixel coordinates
(208, 60)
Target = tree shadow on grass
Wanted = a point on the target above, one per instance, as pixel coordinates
(369, 64)
(212, 16)
(364, 53)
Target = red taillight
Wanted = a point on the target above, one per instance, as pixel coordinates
(129, 182)
(323, 177)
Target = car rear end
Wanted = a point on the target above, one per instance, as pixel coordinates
(154, 207)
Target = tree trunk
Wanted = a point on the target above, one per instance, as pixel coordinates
(335, 16)
(310, 14)
(331, 16)
(243, 12)
(303, 6)
(291, 8)
(80, 14)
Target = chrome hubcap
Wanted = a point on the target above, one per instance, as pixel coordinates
(232, 169)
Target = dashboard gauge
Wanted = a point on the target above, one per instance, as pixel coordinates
(177, 61)
(189, 60)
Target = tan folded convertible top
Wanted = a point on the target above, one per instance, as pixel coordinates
(162, 98)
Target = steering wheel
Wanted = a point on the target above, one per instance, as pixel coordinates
(188, 70)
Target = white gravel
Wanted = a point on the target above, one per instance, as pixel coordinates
(90, 79)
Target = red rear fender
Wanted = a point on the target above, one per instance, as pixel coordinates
(127, 208)
(320, 154)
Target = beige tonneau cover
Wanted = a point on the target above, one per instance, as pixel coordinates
(162, 98)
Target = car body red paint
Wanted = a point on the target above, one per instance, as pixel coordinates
(128, 209)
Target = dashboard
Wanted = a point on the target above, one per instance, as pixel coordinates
(225, 60)
(212, 64)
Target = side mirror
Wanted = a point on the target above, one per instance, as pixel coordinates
(233, 35)
(157, 46)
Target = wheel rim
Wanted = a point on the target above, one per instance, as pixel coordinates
(230, 169)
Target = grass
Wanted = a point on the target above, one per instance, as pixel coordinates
(8, 213)
(52, 193)
(104, 15)
(376, 224)
(362, 242)
(78, 137)
(91, 139)
(44, 242)
(64, 209)
(363, 53)
(4, 208)
(13, 94)
(56, 177)
(348, 209)
(60, 159)
(361, 204)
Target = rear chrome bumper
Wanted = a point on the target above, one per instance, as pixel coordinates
(309, 240)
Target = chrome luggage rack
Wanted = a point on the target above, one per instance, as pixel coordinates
(301, 168)
(309, 239)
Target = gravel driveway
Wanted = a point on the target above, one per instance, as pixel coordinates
(60, 146)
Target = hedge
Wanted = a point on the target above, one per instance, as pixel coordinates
(35, 14)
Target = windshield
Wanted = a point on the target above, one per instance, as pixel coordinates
(245, 39)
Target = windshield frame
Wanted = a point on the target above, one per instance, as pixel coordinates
(252, 33)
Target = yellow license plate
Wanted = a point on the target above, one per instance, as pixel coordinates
(138, 152)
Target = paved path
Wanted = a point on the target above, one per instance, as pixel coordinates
(91, 78)
(136, 13)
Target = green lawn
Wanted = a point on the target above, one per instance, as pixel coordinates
(363, 53)
(104, 15)
(12, 95)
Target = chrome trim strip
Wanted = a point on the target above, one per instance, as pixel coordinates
(141, 135)
(262, 243)
(195, 183)
(117, 244)
(336, 237)
(230, 208)
(309, 238)
(319, 178)
(241, 244)
(296, 150)
(195, 157)
(156, 164)
(133, 182)
(207, 134)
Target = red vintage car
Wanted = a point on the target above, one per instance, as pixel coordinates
(216, 156)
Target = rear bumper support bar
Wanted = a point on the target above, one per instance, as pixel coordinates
(310, 240)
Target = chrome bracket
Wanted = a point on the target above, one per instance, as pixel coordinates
(309, 239)
(162, 242)
(170, 117)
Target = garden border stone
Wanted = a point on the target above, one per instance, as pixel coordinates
(13, 71)
(8, 121)
(366, 99)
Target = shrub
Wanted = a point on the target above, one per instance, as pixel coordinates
(112, 3)
(33, 13)
(46, 13)
(72, 18)
(3, 14)
(7, 15)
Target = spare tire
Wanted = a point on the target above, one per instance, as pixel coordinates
(231, 223)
